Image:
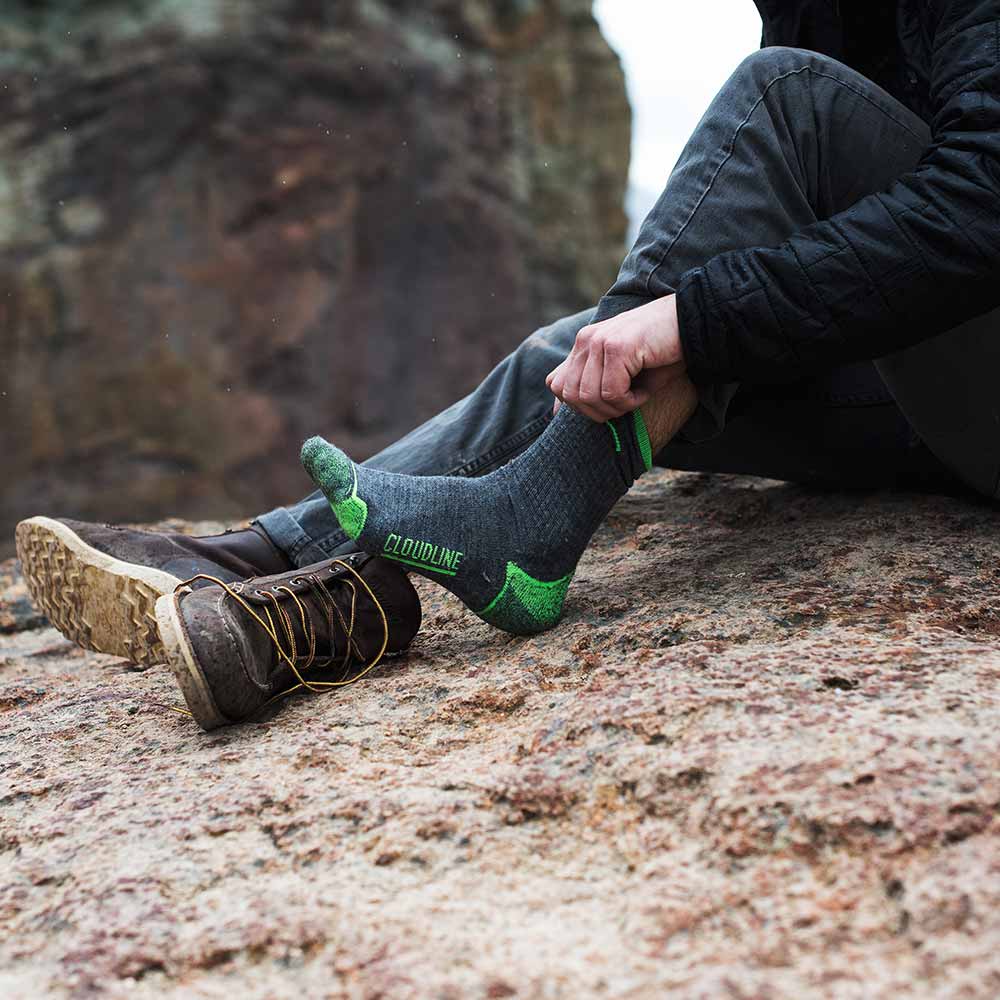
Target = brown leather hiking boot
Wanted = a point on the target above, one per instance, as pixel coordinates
(237, 647)
(98, 584)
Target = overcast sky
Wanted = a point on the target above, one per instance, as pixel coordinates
(676, 56)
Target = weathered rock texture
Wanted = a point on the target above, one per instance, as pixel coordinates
(759, 759)
(226, 226)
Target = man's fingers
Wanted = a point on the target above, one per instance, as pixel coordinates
(571, 385)
(568, 385)
(566, 376)
(616, 379)
(556, 379)
(590, 381)
(631, 401)
(595, 379)
(556, 372)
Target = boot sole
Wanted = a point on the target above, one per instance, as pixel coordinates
(184, 665)
(95, 600)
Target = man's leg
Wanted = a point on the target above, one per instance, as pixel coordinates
(793, 137)
(841, 429)
(505, 544)
(476, 435)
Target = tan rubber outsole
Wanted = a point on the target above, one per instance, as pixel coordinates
(95, 600)
(181, 660)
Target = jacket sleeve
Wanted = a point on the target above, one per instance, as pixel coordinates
(894, 269)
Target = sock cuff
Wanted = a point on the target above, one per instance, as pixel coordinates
(626, 436)
(633, 451)
(642, 438)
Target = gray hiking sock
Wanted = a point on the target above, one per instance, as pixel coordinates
(506, 544)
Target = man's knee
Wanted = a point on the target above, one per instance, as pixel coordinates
(763, 68)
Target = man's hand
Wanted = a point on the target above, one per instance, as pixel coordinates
(616, 365)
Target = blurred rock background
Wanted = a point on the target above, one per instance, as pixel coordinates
(225, 226)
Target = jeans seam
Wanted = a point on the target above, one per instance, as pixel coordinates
(736, 134)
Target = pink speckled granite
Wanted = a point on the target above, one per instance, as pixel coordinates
(759, 759)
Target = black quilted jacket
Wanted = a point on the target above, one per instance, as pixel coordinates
(899, 266)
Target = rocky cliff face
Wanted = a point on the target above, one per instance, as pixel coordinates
(225, 226)
(759, 759)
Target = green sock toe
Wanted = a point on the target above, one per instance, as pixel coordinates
(329, 468)
(336, 475)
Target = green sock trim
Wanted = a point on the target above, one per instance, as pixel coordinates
(351, 512)
(611, 427)
(526, 605)
(642, 436)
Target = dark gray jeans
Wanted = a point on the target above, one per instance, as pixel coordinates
(791, 138)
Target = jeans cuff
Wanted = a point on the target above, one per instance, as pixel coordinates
(287, 534)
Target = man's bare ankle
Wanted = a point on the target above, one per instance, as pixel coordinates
(668, 411)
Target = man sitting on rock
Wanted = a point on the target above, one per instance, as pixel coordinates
(839, 202)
